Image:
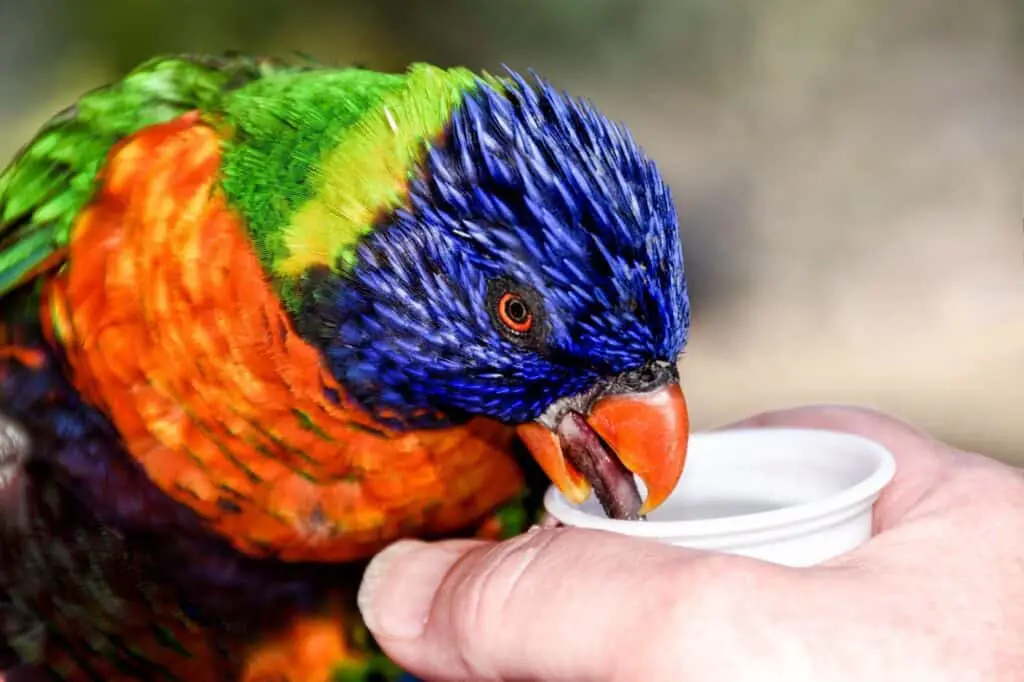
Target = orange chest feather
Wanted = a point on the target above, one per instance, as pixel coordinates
(171, 329)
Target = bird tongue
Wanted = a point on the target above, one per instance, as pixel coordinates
(612, 482)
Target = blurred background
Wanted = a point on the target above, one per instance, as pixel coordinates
(848, 173)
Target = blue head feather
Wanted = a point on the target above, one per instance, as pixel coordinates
(528, 191)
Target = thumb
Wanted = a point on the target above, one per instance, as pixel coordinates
(553, 604)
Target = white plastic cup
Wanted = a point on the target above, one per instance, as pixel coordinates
(795, 497)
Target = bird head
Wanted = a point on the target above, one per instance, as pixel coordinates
(532, 274)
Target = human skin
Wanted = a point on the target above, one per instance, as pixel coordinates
(937, 594)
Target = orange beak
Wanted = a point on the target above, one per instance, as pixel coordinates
(646, 432)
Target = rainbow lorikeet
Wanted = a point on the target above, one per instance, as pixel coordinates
(261, 319)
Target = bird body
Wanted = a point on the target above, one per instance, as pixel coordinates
(260, 320)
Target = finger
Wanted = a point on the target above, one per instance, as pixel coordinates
(552, 604)
(922, 463)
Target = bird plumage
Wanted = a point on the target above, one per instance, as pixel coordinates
(536, 188)
(261, 320)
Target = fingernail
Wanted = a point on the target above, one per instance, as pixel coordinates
(399, 585)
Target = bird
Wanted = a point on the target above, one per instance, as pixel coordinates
(261, 319)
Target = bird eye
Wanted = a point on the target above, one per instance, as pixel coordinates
(515, 313)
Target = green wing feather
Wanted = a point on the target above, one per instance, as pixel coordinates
(312, 154)
(54, 176)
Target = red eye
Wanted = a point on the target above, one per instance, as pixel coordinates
(514, 313)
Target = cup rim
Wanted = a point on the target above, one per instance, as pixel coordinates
(862, 492)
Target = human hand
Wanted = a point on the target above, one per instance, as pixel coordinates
(937, 594)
